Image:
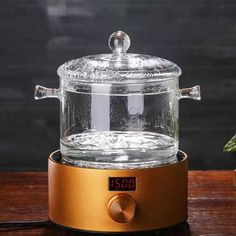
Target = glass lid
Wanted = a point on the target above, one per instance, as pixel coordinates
(119, 67)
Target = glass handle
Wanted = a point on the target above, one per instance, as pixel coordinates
(41, 92)
(193, 93)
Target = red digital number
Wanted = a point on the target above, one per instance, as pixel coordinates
(131, 184)
(112, 183)
(124, 183)
(117, 183)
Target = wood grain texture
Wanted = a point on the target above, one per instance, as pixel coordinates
(212, 205)
(37, 36)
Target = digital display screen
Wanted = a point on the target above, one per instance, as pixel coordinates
(122, 183)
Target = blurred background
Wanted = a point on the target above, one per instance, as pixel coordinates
(37, 36)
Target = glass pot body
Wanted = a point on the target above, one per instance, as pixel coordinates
(119, 126)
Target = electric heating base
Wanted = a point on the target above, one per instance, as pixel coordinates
(114, 200)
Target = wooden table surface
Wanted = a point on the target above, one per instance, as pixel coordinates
(212, 204)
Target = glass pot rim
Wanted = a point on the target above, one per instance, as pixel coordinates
(120, 89)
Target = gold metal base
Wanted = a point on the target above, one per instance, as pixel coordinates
(79, 198)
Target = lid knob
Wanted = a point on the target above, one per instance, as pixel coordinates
(119, 42)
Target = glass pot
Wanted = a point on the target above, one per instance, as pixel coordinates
(119, 110)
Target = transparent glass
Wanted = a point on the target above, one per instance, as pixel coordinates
(119, 110)
(131, 129)
(106, 130)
